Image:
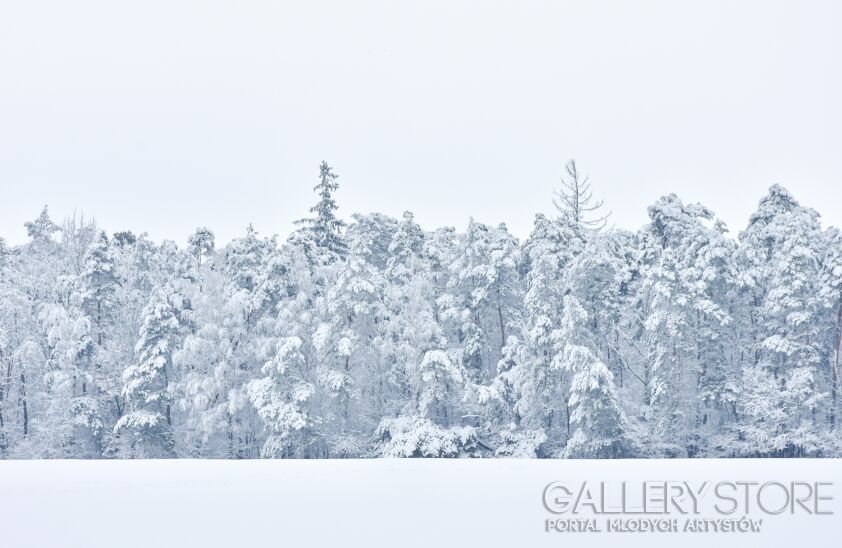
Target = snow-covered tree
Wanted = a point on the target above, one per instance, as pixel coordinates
(200, 244)
(780, 262)
(507, 404)
(215, 363)
(598, 421)
(483, 294)
(687, 290)
(325, 228)
(42, 228)
(146, 429)
(429, 427)
(99, 283)
(281, 399)
(547, 255)
(243, 259)
(74, 415)
(350, 343)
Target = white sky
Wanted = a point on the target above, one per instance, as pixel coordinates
(161, 116)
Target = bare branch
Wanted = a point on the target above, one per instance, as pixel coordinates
(575, 200)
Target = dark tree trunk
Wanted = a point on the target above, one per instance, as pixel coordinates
(502, 325)
(23, 404)
(834, 389)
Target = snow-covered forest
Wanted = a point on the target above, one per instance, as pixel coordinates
(377, 338)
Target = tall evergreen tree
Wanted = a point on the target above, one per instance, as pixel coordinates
(325, 228)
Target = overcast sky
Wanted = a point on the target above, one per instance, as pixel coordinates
(162, 116)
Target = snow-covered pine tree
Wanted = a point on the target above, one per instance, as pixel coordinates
(602, 276)
(599, 423)
(410, 300)
(506, 405)
(428, 428)
(325, 228)
(146, 431)
(780, 262)
(42, 228)
(547, 255)
(73, 415)
(690, 367)
(214, 364)
(201, 243)
(281, 398)
(99, 283)
(76, 236)
(406, 250)
(483, 293)
(352, 369)
(243, 259)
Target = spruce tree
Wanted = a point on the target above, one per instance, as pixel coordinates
(325, 228)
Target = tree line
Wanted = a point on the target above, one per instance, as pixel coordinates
(377, 338)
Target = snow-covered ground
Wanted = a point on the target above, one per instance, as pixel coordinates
(441, 503)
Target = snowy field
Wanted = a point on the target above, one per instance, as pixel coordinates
(430, 503)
